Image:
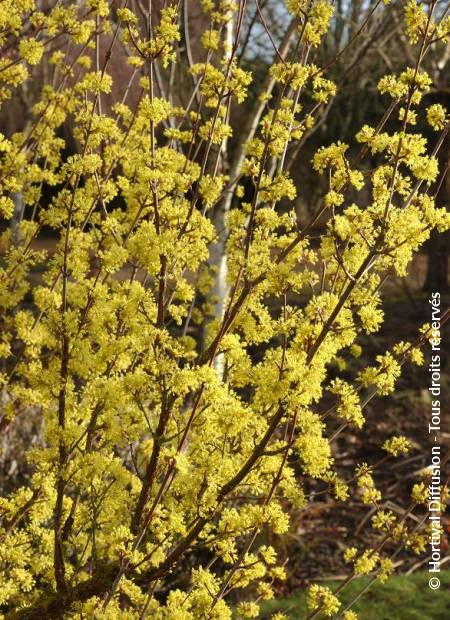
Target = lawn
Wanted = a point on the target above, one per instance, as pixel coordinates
(400, 598)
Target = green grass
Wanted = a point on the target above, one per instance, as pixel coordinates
(400, 598)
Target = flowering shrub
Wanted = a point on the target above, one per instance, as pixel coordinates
(162, 441)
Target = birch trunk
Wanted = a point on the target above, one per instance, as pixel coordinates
(218, 254)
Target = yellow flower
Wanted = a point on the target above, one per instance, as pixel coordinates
(31, 50)
(320, 598)
(436, 116)
(397, 445)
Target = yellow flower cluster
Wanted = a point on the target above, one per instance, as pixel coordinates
(348, 407)
(397, 445)
(314, 18)
(320, 598)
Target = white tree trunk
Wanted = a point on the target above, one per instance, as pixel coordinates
(17, 198)
(218, 254)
